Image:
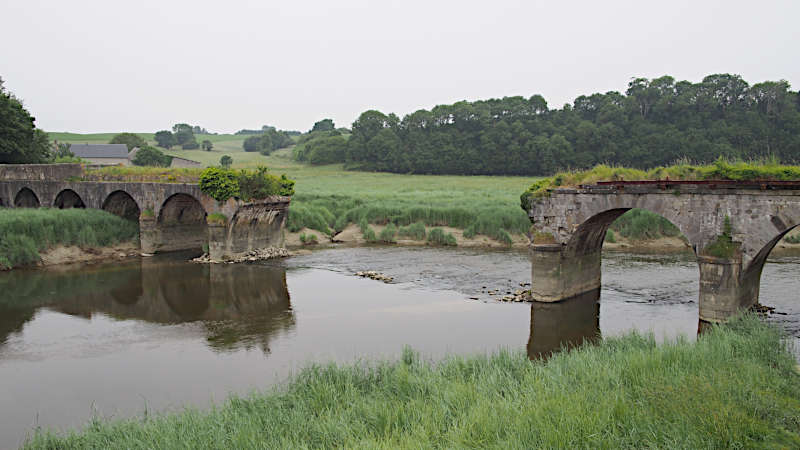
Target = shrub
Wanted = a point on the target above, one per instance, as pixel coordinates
(437, 236)
(414, 231)
(387, 235)
(610, 237)
(130, 140)
(794, 239)
(252, 144)
(152, 157)
(221, 184)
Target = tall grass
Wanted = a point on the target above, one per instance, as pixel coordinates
(26, 232)
(331, 214)
(736, 387)
(640, 224)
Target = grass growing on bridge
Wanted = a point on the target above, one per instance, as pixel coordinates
(25, 232)
(736, 387)
(719, 170)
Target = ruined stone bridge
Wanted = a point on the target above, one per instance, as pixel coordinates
(570, 225)
(171, 216)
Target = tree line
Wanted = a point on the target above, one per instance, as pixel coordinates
(655, 122)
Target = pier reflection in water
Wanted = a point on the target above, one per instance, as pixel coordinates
(239, 307)
(566, 324)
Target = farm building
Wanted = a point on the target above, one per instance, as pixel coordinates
(103, 154)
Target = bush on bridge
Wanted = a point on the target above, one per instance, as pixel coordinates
(222, 184)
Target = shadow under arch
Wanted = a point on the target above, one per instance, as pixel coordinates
(26, 198)
(182, 223)
(121, 204)
(68, 199)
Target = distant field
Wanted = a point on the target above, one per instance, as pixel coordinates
(329, 197)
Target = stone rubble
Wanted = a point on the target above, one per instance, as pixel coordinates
(251, 256)
(371, 274)
(518, 295)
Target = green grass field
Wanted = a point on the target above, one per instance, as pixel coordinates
(736, 387)
(329, 197)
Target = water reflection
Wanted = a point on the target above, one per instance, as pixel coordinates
(565, 324)
(239, 306)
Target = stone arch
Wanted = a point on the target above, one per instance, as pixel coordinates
(589, 235)
(26, 198)
(182, 223)
(68, 199)
(751, 274)
(121, 204)
(569, 265)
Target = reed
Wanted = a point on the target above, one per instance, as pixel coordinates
(26, 232)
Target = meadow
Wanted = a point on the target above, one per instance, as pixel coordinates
(26, 232)
(736, 387)
(328, 198)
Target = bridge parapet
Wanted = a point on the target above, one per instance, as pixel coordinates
(570, 224)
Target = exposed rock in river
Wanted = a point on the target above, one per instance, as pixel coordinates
(251, 256)
(371, 274)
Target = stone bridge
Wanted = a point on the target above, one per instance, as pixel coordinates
(569, 226)
(171, 216)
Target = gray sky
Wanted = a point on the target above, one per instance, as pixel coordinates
(103, 66)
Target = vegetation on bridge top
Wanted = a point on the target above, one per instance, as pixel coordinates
(142, 174)
(736, 387)
(244, 184)
(719, 170)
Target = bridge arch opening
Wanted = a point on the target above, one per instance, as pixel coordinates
(26, 198)
(752, 273)
(578, 268)
(68, 199)
(121, 204)
(182, 224)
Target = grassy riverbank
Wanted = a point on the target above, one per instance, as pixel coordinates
(24, 233)
(736, 387)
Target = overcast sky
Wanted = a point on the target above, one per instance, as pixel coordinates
(107, 66)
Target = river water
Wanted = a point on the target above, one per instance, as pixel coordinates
(127, 339)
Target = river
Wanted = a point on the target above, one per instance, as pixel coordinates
(128, 339)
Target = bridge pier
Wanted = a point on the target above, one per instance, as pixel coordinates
(558, 273)
(724, 288)
(148, 234)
